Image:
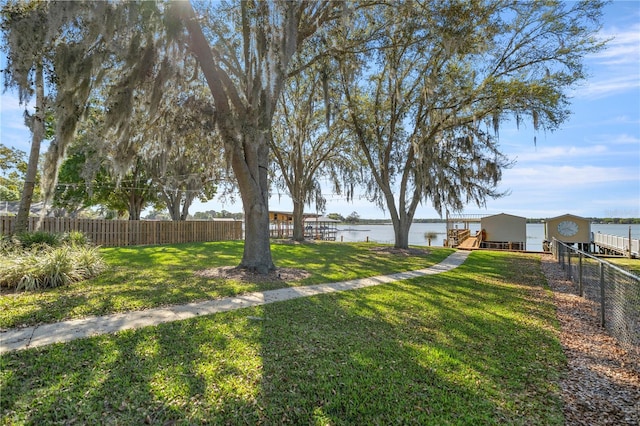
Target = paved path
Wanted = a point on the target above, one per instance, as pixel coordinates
(65, 331)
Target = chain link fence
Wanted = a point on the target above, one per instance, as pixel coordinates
(616, 292)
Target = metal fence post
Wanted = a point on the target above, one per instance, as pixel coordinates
(602, 294)
(568, 270)
(580, 291)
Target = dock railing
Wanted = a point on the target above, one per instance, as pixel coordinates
(614, 291)
(622, 245)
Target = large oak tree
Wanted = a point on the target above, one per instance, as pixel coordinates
(244, 51)
(446, 74)
(309, 143)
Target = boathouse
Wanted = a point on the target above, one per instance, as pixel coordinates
(569, 229)
(320, 228)
(281, 223)
(503, 231)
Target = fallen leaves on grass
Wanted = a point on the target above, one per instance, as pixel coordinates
(400, 251)
(245, 275)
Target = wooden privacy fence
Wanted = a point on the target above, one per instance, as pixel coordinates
(113, 233)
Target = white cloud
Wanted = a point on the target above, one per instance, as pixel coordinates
(623, 46)
(618, 139)
(625, 119)
(615, 84)
(566, 176)
(617, 64)
(559, 152)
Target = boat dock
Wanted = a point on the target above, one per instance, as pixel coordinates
(470, 243)
(615, 245)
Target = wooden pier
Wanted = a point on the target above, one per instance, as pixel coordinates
(470, 243)
(613, 244)
(457, 235)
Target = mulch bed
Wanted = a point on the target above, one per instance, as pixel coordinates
(244, 275)
(602, 383)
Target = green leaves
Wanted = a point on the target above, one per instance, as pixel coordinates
(38, 268)
(447, 74)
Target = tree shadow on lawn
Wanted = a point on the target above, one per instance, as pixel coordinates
(165, 275)
(410, 353)
(181, 372)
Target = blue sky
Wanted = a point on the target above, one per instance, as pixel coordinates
(589, 167)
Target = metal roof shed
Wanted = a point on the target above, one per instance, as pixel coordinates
(504, 231)
(569, 229)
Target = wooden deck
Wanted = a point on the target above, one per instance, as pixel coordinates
(470, 243)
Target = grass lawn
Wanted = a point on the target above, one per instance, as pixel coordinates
(476, 345)
(146, 277)
(631, 265)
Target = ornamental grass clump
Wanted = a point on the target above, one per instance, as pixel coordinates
(47, 261)
(39, 239)
(6, 243)
(88, 262)
(48, 268)
(76, 239)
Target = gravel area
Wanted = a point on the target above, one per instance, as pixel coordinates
(602, 383)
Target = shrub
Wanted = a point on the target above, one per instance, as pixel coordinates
(75, 239)
(88, 262)
(7, 243)
(12, 268)
(52, 267)
(39, 239)
(44, 269)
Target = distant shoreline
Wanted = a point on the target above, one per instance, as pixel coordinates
(594, 220)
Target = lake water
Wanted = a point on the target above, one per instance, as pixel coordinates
(535, 233)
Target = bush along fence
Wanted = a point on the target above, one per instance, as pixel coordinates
(114, 233)
(614, 291)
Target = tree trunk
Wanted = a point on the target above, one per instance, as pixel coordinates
(185, 211)
(173, 205)
(402, 216)
(298, 220)
(188, 200)
(401, 232)
(37, 129)
(250, 164)
(136, 201)
(174, 209)
(400, 224)
(257, 250)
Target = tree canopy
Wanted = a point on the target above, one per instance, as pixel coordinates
(425, 87)
(13, 167)
(309, 142)
(427, 114)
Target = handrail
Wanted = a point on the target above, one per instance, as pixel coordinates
(617, 243)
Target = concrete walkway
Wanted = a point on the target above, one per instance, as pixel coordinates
(65, 331)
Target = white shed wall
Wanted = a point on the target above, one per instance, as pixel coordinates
(504, 228)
